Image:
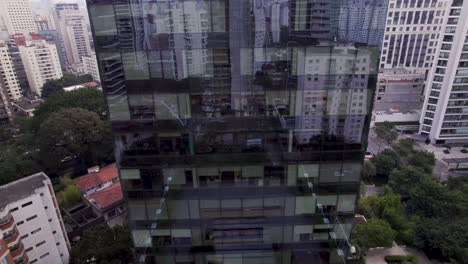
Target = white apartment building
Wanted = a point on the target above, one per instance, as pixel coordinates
(31, 223)
(445, 112)
(41, 63)
(74, 35)
(8, 73)
(90, 66)
(5, 106)
(410, 41)
(17, 16)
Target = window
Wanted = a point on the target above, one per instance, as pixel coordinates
(26, 204)
(20, 223)
(45, 255)
(35, 231)
(54, 232)
(40, 243)
(24, 236)
(14, 209)
(28, 249)
(31, 218)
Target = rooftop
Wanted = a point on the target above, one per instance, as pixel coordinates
(107, 196)
(94, 179)
(27, 104)
(21, 188)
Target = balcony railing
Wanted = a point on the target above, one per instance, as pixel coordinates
(17, 249)
(6, 222)
(11, 236)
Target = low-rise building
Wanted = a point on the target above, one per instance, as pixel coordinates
(25, 106)
(31, 223)
(80, 86)
(102, 191)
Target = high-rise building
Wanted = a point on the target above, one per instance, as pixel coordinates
(5, 106)
(410, 40)
(240, 126)
(361, 22)
(8, 73)
(74, 34)
(17, 16)
(41, 62)
(31, 223)
(445, 111)
(90, 66)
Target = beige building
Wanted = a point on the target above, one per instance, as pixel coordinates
(41, 63)
(10, 80)
(90, 66)
(73, 30)
(17, 16)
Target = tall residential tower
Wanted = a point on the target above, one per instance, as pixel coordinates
(240, 126)
(445, 111)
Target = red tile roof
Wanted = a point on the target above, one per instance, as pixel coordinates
(93, 179)
(107, 196)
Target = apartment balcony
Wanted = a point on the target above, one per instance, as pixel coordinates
(6, 222)
(22, 260)
(11, 236)
(17, 250)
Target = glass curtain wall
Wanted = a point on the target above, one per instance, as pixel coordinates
(240, 125)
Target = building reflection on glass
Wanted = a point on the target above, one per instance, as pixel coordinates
(239, 125)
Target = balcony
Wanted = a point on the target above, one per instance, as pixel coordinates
(11, 236)
(22, 260)
(17, 250)
(6, 222)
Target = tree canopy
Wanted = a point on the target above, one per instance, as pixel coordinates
(74, 132)
(68, 79)
(103, 244)
(385, 131)
(373, 233)
(87, 98)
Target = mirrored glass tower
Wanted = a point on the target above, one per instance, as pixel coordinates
(240, 125)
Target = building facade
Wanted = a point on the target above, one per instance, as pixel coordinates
(410, 42)
(17, 16)
(31, 223)
(41, 63)
(445, 110)
(240, 126)
(90, 66)
(5, 106)
(72, 25)
(8, 72)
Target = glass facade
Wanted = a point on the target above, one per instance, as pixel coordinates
(240, 125)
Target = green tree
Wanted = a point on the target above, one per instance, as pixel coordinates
(402, 180)
(103, 244)
(404, 146)
(373, 233)
(369, 171)
(87, 98)
(388, 207)
(74, 132)
(428, 198)
(51, 87)
(385, 131)
(386, 161)
(68, 79)
(423, 159)
(69, 196)
(445, 238)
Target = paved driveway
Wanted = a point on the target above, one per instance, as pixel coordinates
(377, 256)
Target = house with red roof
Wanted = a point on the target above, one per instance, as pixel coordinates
(102, 191)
